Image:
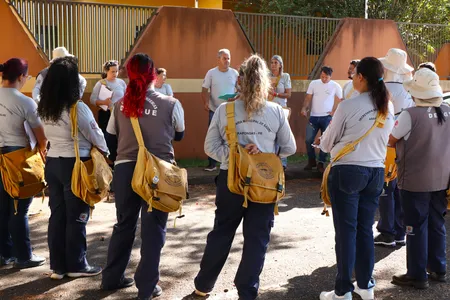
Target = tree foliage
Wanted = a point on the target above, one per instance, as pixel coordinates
(417, 11)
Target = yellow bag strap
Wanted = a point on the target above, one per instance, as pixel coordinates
(379, 122)
(231, 125)
(137, 131)
(74, 121)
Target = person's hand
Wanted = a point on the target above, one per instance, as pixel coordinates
(304, 112)
(252, 149)
(206, 106)
(107, 101)
(317, 141)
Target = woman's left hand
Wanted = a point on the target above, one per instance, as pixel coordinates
(252, 149)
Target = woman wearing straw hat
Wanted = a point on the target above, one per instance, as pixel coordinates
(421, 136)
(390, 224)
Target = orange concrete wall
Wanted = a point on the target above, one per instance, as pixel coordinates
(443, 62)
(17, 43)
(185, 41)
(359, 38)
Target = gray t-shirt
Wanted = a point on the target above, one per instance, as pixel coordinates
(399, 97)
(220, 83)
(15, 109)
(59, 134)
(40, 79)
(266, 130)
(283, 84)
(117, 86)
(352, 119)
(165, 89)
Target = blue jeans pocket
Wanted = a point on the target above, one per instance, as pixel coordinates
(352, 181)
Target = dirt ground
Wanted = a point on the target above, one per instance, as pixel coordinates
(300, 262)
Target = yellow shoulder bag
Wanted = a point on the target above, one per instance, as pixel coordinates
(258, 177)
(22, 173)
(90, 179)
(379, 122)
(161, 184)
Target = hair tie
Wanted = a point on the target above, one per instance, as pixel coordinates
(380, 79)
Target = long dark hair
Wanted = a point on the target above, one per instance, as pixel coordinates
(440, 115)
(372, 70)
(13, 68)
(141, 72)
(60, 89)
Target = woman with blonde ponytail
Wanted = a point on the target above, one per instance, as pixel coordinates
(260, 126)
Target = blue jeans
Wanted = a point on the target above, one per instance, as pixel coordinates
(211, 162)
(316, 124)
(426, 234)
(354, 192)
(14, 229)
(258, 222)
(391, 213)
(68, 218)
(153, 236)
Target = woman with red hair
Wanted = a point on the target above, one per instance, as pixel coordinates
(161, 119)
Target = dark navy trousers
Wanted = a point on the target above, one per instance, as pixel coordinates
(354, 192)
(211, 161)
(391, 212)
(258, 222)
(426, 234)
(153, 235)
(14, 229)
(68, 219)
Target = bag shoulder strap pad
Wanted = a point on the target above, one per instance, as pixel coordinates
(231, 125)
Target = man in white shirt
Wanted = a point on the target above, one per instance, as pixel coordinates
(218, 82)
(324, 95)
(57, 53)
(348, 90)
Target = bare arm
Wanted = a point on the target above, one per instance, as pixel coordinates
(41, 138)
(392, 141)
(205, 98)
(287, 94)
(336, 103)
(306, 104)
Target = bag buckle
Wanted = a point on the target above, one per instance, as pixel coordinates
(156, 198)
(279, 188)
(247, 180)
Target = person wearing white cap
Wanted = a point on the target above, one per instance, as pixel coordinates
(390, 224)
(57, 53)
(420, 136)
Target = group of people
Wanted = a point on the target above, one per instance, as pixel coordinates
(382, 106)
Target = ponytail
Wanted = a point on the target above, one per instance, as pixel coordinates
(372, 70)
(440, 115)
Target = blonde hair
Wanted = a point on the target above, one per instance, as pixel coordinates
(255, 85)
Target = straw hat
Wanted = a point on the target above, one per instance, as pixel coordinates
(425, 86)
(396, 61)
(60, 52)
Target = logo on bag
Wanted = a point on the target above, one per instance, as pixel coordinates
(172, 178)
(264, 170)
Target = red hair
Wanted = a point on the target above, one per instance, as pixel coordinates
(141, 73)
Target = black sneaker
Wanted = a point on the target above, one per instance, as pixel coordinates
(384, 240)
(156, 293)
(89, 271)
(406, 280)
(126, 282)
(400, 242)
(211, 168)
(7, 261)
(34, 261)
(439, 277)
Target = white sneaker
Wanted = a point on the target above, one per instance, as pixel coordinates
(332, 296)
(364, 294)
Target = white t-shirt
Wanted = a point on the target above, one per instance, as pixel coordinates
(266, 130)
(35, 93)
(165, 89)
(283, 84)
(15, 109)
(352, 119)
(348, 91)
(403, 125)
(323, 97)
(399, 97)
(59, 134)
(117, 86)
(220, 83)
